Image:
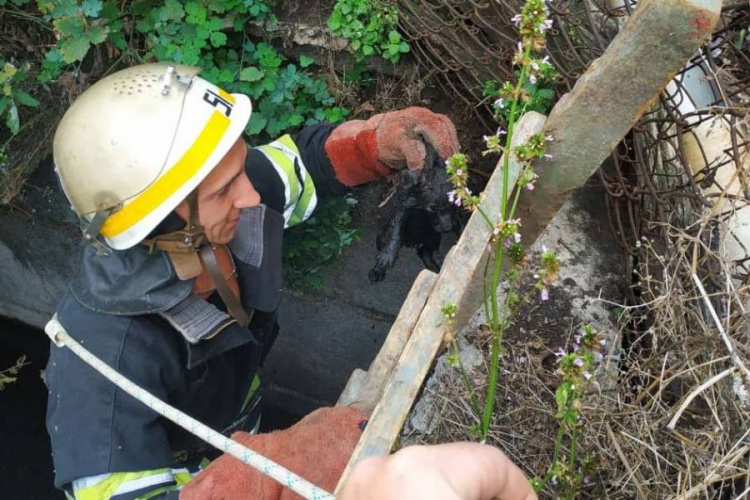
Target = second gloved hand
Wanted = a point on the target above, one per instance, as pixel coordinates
(362, 151)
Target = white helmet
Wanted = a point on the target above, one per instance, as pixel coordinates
(138, 142)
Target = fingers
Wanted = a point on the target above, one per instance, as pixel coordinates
(439, 131)
(455, 471)
(477, 471)
(414, 152)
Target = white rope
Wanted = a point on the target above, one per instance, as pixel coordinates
(60, 337)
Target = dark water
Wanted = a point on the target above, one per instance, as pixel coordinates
(25, 457)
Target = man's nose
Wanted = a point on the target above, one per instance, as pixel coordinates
(248, 196)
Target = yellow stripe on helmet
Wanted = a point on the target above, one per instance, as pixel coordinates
(226, 95)
(164, 187)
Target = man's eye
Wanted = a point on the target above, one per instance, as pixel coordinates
(223, 191)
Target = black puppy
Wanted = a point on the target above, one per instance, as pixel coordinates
(422, 212)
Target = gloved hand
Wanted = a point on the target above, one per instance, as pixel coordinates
(362, 151)
(318, 447)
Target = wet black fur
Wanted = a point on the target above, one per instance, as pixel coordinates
(422, 212)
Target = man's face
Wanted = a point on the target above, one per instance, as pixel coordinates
(221, 196)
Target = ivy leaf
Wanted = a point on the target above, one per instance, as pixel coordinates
(256, 124)
(91, 8)
(334, 22)
(11, 119)
(218, 39)
(394, 37)
(171, 10)
(305, 61)
(251, 74)
(74, 49)
(117, 40)
(69, 27)
(196, 13)
(367, 50)
(65, 8)
(98, 33)
(24, 98)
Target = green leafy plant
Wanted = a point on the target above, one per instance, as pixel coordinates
(11, 98)
(12, 95)
(569, 472)
(370, 28)
(310, 246)
(210, 35)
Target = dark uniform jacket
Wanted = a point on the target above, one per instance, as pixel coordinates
(130, 309)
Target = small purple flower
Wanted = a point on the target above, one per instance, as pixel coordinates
(485, 138)
(545, 295)
(546, 25)
(517, 237)
(560, 352)
(530, 186)
(578, 362)
(459, 172)
(535, 66)
(532, 79)
(586, 375)
(516, 20)
(500, 103)
(544, 248)
(520, 47)
(553, 481)
(603, 342)
(500, 131)
(586, 480)
(468, 192)
(598, 356)
(457, 202)
(549, 138)
(548, 157)
(452, 196)
(447, 163)
(576, 347)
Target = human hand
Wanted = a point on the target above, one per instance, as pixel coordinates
(455, 471)
(361, 151)
(317, 448)
(400, 136)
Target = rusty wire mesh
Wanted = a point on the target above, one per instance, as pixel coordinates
(468, 42)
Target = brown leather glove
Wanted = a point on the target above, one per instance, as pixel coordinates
(317, 448)
(362, 151)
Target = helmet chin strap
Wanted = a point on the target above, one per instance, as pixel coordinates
(191, 253)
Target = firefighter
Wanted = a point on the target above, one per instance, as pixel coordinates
(180, 276)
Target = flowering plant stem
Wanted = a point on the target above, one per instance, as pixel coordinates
(498, 324)
(514, 99)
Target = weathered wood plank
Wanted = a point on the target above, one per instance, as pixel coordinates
(463, 262)
(353, 387)
(382, 366)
